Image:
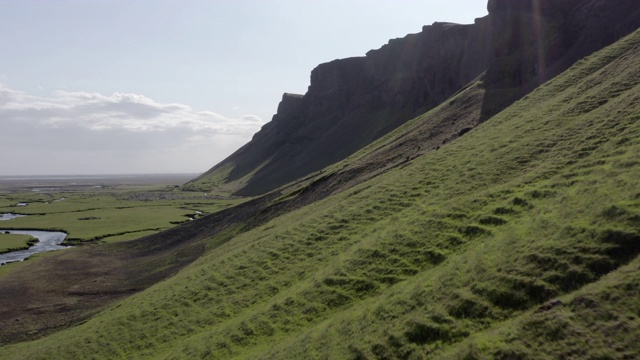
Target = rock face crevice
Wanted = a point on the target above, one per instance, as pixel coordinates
(352, 102)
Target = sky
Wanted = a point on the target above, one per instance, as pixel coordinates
(156, 86)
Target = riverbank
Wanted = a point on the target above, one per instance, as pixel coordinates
(44, 241)
(15, 242)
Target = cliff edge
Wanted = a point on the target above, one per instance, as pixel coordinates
(352, 102)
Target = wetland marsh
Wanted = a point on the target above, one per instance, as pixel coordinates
(109, 208)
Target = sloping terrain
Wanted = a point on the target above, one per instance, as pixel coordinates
(64, 288)
(37, 300)
(352, 102)
(518, 240)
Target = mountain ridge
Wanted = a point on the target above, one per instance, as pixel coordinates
(352, 102)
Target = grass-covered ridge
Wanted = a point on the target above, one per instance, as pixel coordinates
(519, 240)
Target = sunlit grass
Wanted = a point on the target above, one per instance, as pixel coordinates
(123, 215)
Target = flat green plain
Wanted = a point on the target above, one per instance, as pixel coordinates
(107, 216)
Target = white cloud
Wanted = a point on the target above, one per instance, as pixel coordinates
(252, 118)
(130, 112)
(70, 125)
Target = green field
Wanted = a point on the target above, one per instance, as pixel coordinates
(13, 242)
(520, 240)
(108, 216)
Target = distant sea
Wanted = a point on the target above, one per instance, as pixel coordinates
(57, 182)
(96, 177)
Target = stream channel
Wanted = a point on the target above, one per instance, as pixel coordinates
(48, 241)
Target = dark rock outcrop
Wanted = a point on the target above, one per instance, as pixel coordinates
(352, 102)
(536, 40)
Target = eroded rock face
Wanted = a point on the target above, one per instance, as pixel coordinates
(535, 40)
(352, 102)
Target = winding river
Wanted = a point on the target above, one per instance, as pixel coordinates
(9, 216)
(48, 241)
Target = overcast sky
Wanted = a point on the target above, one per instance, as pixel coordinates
(153, 86)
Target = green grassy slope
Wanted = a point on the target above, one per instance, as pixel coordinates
(518, 240)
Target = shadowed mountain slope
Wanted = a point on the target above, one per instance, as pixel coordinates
(519, 240)
(352, 102)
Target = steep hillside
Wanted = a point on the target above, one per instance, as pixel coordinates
(519, 240)
(352, 102)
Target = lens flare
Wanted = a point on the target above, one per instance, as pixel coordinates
(538, 33)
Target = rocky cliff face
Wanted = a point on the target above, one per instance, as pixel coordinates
(535, 40)
(352, 102)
